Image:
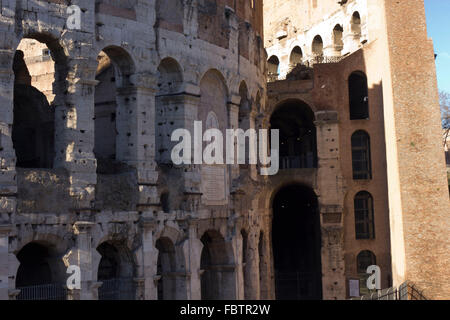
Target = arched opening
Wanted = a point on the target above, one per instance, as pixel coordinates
(166, 270)
(218, 280)
(273, 68)
(116, 271)
(364, 260)
(364, 216)
(356, 24)
(361, 158)
(298, 147)
(296, 241)
(338, 32)
(39, 274)
(40, 71)
(114, 101)
(296, 57)
(317, 49)
(358, 96)
(168, 106)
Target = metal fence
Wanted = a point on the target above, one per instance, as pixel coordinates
(295, 286)
(43, 292)
(117, 289)
(407, 291)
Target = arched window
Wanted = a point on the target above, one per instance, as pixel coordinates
(337, 38)
(359, 96)
(273, 68)
(356, 23)
(362, 167)
(364, 217)
(296, 57)
(317, 46)
(364, 260)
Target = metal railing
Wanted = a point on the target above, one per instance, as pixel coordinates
(43, 292)
(295, 286)
(407, 291)
(304, 161)
(117, 289)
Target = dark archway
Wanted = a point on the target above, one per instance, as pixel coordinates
(115, 271)
(218, 281)
(39, 274)
(40, 70)
(166, 268)
(296, 241)
(115, 98)
(298, 147)
(358, 92)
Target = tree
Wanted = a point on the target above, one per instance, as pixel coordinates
(444, 101)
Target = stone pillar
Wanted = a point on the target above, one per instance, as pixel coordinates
(150, 260)
(82, 256)
(251, 269)
(136, 144)
(331, 191)
(4, 262)
(8, 183)
(74, 126)
(193, 249)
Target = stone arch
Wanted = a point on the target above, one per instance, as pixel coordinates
(217, 264)
(112, 111)
(298, 141)
(296, 243)
(296, 56)
(317, 46)
(116, 270)
(169, 102)
(41, 272)
(33, 133)
(170, 270)
(355, 24)
(273, 68)
(170, 78)
(337, 36)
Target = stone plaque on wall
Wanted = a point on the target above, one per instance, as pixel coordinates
(213, 184)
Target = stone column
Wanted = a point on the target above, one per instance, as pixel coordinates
(251, 271)
(149, 260)
(331, 191)
(8, 183)
(82, 256)
(193, 250)
(136, 143)
(74, 126)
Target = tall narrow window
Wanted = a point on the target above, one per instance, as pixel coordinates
(362, 167)
(359, 96)
(364, 217)
(273, 65)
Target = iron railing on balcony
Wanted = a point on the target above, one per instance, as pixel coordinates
(303, 161)
(323, 60)
(117, 289)
(43, 292)
(407, 291)
(296, 286)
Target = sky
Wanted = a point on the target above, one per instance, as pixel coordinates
(438, 26)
